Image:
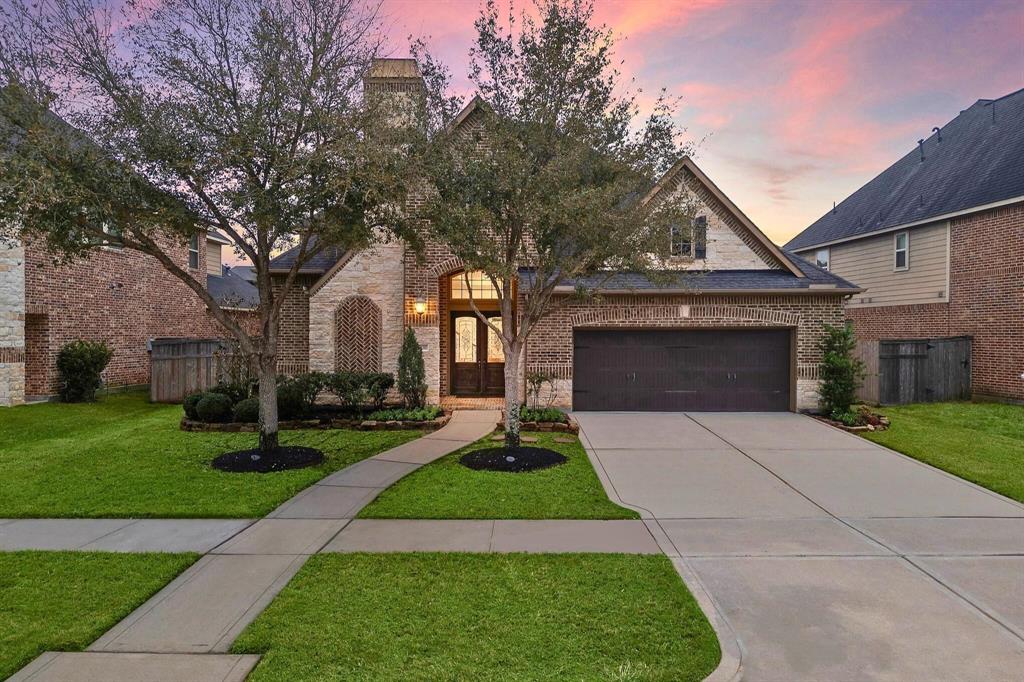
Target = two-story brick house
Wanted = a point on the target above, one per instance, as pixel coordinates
(118, 296)
(937, 242)
(743, 335)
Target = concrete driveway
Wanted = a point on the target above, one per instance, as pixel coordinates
(827, 556)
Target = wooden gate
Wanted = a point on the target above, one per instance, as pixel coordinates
(179, 367)
(924, 370)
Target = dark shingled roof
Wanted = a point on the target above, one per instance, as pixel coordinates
(232, 291)
(319, 264)
(978, 162)
(721, 280)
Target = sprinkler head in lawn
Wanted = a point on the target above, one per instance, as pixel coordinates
(515, 460)
(281, 459)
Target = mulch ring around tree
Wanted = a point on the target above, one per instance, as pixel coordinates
(514, 460)
(286, 457)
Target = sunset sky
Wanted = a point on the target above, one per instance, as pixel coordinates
(794, 104)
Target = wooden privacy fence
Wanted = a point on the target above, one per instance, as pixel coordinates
(178, 367)
(916, 370)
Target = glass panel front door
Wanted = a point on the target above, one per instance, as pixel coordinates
(478, 360)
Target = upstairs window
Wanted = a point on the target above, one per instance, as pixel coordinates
(479, 285)
(193, 252)
(691, 243)
(822, 258)
(114, 234)
(901, 251)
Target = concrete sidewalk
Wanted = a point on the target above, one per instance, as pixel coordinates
(118, 535)
(204, 609)
(822, 555)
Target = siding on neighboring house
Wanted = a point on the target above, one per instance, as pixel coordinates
(870, 262)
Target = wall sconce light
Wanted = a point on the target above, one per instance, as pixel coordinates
(420, 306)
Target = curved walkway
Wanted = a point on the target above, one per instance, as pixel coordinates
(829, 557)
(182, 632)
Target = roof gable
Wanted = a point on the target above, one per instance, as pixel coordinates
(973, 161)
(686, 173)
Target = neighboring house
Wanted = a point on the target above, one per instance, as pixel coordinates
(937, 242)
(742, 334)
(118, 296)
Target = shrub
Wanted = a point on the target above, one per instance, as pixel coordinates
(291, 401)
(535, 383)
(347, 387)
(412, 381)
(421, 414)
(841, 373)
(214, 407)
(237, 391)
(247, 411)
(189, 405)
(79, 365)
(376, 386)
(848, 418)
(546, 414)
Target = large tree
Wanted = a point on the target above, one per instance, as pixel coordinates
(245, 116)
(548, 183)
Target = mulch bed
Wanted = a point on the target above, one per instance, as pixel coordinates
(515, 460)
(285, 457)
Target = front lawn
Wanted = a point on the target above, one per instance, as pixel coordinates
(446, 489)
(62, 601)
(981, 442)
(126, 457)
(483, 617)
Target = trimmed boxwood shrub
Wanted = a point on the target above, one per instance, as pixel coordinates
(545, 414)
(247, 410)
(190, 403)
(377, 385)
(214, 408)
(79, 365)
(291, 400)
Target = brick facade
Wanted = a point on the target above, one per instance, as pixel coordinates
(986, 281)
(120, 297)
(550, 347)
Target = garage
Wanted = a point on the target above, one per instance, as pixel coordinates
(682, 370)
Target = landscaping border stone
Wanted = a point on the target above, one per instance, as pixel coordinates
(570, 426)
(324, 423)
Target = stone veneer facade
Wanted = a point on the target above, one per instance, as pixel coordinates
(12, 325)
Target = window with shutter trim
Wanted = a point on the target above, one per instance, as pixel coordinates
(193, 252)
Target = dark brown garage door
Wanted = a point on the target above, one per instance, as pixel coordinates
(681, 370)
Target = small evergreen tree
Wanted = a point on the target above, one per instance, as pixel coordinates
(79, 368)
(412, 383)
(841, 372)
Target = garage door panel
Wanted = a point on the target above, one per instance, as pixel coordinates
(681, 370)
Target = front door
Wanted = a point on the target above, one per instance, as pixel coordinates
(478, 361)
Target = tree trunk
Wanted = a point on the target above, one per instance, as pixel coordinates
(512, 396)
(268, 403)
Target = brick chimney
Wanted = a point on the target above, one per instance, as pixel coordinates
(399, 83)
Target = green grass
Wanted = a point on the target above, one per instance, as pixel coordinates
(483, 617)
(62, 601)
(981, 442)
(446, 489)
(126, 457)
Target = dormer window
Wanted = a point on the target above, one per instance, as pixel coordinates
(114, 236)
(823, 258)
(692, 243)
(193, 252)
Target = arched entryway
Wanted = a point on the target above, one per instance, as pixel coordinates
(357, 335)
(476, 361)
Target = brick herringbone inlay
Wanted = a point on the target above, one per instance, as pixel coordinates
(357, 329)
